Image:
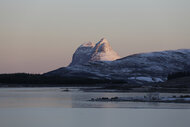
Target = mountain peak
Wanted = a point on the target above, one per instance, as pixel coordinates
(89, 51)
(102, 46)
(103, 40)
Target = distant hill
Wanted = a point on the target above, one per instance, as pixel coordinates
(38, 80)
(100, 62)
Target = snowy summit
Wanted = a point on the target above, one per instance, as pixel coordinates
(101, 51)
(89, 61)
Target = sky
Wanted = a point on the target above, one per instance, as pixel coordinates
(38, 36)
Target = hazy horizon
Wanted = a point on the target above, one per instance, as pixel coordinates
(41, 35)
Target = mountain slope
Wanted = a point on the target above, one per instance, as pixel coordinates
(138, 68)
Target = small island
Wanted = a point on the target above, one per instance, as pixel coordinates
(150, 97)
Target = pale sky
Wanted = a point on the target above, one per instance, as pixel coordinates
(37, 36)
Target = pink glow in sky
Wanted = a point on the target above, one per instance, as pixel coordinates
(37, 36)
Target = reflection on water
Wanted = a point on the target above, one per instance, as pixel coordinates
(56, 97)
(93, 117)
(50, 107)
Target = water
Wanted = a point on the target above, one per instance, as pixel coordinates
(75, 98)
(51, 107)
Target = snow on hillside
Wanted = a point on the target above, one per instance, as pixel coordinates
(101, 51)
(82, 54)
(100, 61)
(104, 52)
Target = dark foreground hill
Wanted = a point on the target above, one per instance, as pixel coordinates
(178, 80)
(38, 80)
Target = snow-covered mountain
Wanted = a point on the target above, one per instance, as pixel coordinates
(101, 62)
(102, 51)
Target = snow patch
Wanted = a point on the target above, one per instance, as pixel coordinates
(158, 80)
(147, 79)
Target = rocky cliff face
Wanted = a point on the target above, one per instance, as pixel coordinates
(83, 54)
(101, 62)
(89, 51)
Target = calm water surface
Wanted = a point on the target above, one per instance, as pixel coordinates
(51, 107)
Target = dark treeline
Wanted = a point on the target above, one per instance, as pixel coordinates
(178, 75)
(38, 80)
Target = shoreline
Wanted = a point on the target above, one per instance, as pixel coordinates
(104, 88)
(148, 98)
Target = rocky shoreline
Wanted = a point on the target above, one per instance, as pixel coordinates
(152, 97)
